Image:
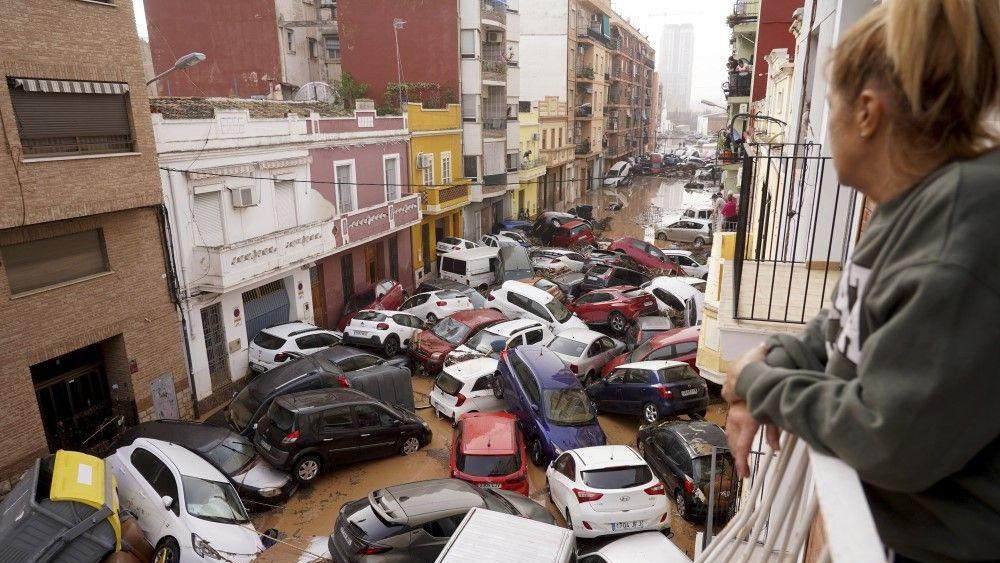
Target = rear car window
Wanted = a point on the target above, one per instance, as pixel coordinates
(268, 341)
(723, 466)
(369, 316)
(487, 465)
(617, 477)
(677, 373)
(449, 294)
(450, 240)
(281, 418)
(453, 266)
(579, 229)
(598, 271)
(448, 384)
(566, 346)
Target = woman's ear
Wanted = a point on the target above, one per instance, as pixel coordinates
(870, 112)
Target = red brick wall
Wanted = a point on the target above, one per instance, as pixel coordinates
(428, 44)
(239, 39)
(775, 19)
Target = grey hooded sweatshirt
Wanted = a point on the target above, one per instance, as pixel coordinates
(900, 378)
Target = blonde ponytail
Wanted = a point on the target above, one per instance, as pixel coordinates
(938, 61)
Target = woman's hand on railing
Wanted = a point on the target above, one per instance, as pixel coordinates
(741, 428)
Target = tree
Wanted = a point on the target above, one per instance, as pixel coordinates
(349, 90)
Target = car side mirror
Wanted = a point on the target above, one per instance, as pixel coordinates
(254, 426)
(534, 408)
(168, 501)
(397, 422)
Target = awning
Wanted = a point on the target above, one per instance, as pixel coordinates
(68, 86)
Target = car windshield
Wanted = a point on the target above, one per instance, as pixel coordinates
(213, 501)
(487, 465)
(677, 373)
(484, 340)
(280, 417)
(243, 406)
(641, 351)
(567, 347)
(617, 477)
(723, 466)
(656, 253)
(451, 240)
(232, 454)
(448, 383)
(451, 331)
(568, 407)
(559, 311)
(268, 341)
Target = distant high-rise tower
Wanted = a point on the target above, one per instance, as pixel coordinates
(676, 60)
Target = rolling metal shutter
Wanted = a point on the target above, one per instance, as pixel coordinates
(284, 203)
(208, 218)
(265, 306)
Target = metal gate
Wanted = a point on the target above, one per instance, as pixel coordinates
(265, 306)
(215, 346)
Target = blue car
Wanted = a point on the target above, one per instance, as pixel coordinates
(652, 390)
(549, 402)
(513, 225)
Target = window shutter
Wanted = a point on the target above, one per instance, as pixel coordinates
(208, 219)
(60, 123)
(284, 203)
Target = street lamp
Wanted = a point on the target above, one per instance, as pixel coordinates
(397, 24)
(712, 104)
(187, 61)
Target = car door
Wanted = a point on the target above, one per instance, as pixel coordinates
(674, 230)
(417, 305)
(562, 478)
(406, 325)
(588, 309)
(635, 390)
(338, 434)
(611, 394)
(604, 347)
(378, 431)
(152, 480)
(538, 312)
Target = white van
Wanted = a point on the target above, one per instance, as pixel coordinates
(485, 536)
(475, 267)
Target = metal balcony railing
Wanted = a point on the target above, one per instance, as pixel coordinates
(494, 123)
(738, 85)
(585, 72)
(583, 148)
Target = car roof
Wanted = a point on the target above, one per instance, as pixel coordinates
(554, 250)
(702, 222)
(413, 503)
(675, 335)
(266, 383)
(644, 546)
(529, 291)
(584, 335)
(600, 457)
(507, 328)
(549, 369)
(676, 252)
(678, 288)
(198, 436)
(290, 329)
(654, 322)
(474, 253)
(305, 401)
(489, 433)
(471, 369)
(698, 435)
(184, 460)
(477, 317)
(653, 364)
(573, 224)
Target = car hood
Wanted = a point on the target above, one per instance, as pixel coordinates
(230, 540)
(572, 437)
(262, 476)
(431, 343)
(526, 507)
(573, 322)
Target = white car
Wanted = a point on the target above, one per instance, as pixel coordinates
(698, 232)
(672, 294)
(585, 351)
(492, 339)
(697, 283)
(686, 261)
(605, 490)
(269, 347)
(389, 330)
(447, 244)
(185, 506)
(504, 238)
(618, 174)
(648, 547)
(434, 305)
(558, 259)
(519, 300)
(465, 387)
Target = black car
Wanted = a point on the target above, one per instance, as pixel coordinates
(478, 301)
(337, 366)
(680, 452)
(603, 277)
(259, 485)
(307, 432)
(608, 258)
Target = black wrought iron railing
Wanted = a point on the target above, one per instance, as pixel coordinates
(793, 232)
(738, 85)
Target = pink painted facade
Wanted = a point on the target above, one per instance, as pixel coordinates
(375, 234)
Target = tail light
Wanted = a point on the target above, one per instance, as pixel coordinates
(456, 248)
(490, 297)
(342, 381)
(441, 303)
(382, 326)
(587, 525)
(688, 485)
(656, 489)
(574, 368)
(280, 357)
(664, 517)
(291, 437)
(664, 392)
(460, 400)
(373, 550)
(586, 496)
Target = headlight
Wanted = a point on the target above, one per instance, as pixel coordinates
(270, 492)
(203, 549)
(557, 449)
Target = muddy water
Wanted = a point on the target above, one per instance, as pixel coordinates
(308, 517)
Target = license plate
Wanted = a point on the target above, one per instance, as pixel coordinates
(489, 486)
(633, 525)
(361, 333)
(265, 445)
(689, 392)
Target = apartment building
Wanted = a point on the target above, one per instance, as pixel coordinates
(630, 97)
(589, 76)
(253, 48)
(92, 340)
(524, 202)
(676, 64)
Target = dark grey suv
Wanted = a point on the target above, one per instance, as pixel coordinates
(413, 522)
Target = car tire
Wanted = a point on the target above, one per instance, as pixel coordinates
(391, 346)
(409, 446)
(681, 505)
(699, 242)
(650, 413)
(168, 551)
(702, 412)
(661, 236)
(535, 453)
(618, 322)
(306, 468)
(497, 385)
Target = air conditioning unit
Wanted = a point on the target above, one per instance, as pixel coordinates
(425, 160)
(494, 37)
(245, 196)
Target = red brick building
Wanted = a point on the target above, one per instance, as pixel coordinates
(772, 33)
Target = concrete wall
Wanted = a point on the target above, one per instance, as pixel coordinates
(544, 26)
(772, 33)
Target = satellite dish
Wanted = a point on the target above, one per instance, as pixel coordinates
(316, 91)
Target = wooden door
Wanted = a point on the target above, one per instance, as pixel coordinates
(318, 296)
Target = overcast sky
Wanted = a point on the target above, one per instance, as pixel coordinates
(711, 35)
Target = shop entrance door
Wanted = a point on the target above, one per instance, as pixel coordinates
(74, 400)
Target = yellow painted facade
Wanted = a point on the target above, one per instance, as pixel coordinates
(438, 133)
(525, 198)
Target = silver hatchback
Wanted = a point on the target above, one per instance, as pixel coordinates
(698, 232)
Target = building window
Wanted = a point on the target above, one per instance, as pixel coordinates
(512, 161)
(313, 49)
(428, 172)
(390, 172)
(446, 167)
(284, 203)
(60, 117)
(469, 107)
(471, 167)
(347, 275)
(52, 261)
(290, 37)
(208, 219)
(560, 137)
(347, 193)
(394, 257)
(468, 43)
(524, 106)
(332, 43)
(545, 139)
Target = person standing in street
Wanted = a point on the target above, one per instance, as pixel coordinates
(898, 377)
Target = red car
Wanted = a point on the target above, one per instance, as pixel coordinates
(488, 451)
(679, 344)
(386, 295)
(614, 306)
(572, 233)
(429, 347)
(646, 255)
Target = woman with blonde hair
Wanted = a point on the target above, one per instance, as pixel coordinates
(899, 377)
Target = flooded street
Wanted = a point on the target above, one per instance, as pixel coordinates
(308, 517)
